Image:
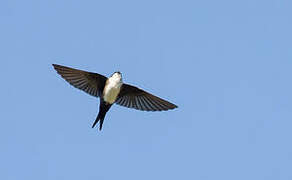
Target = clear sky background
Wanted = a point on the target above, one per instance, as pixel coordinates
(226, 64)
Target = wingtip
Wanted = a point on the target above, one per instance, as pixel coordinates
(173, 106)
(55, 66)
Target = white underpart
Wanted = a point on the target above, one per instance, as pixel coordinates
(112, 88)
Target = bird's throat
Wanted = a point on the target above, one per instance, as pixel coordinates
(111, 90)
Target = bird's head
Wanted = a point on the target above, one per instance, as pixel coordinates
(117, 76)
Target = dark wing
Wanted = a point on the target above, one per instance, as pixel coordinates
(133, 97)
(92, 83)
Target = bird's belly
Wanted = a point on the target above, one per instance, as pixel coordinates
(110, 94)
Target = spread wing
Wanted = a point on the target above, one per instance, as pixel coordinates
(133, 97)
(91, 83)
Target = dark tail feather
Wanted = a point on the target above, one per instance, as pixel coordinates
(102, 111)
(95, 122)
(100, 124)
(100, 117)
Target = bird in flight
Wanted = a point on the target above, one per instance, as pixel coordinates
(112, 90)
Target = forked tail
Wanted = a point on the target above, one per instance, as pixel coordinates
(103, 108)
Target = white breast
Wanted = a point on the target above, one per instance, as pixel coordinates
(112, 89)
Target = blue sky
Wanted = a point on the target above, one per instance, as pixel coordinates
(226, 64)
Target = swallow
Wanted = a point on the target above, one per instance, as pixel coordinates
(112, 90)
